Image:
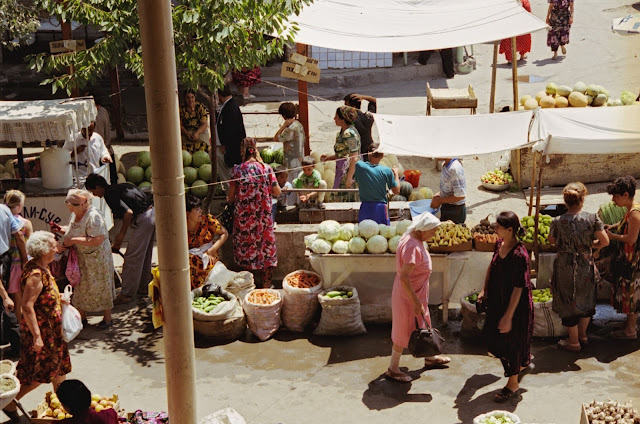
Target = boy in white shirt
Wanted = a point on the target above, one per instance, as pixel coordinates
(92, 152)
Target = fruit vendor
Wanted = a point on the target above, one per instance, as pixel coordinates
(453, 192)
(374, 180)
(194, 123)
(76, 399)
(133, 207)
(92, 152)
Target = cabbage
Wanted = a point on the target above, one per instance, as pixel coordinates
(393, 243)
(320, 246)
(347, 231)
(627, 97)
(340, 246)
(386, 231)
(402, 226)
(357, 245)
(329, 230)
(377, 244)
(368, 228)
(356, 232)
(309, 239)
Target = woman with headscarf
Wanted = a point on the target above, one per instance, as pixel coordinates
(410, 293)
(251, 188)
(347, 147)
(87, 233)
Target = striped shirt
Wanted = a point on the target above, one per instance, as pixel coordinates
(452, 181)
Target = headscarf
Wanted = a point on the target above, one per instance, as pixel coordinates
(423, 222)
(250, 145)
(78, 196)
(349, 114)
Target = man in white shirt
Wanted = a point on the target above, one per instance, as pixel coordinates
(92, 152)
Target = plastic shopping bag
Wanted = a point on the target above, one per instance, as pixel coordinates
(71, 319)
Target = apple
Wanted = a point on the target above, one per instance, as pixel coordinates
(99, 408)
(97, 398)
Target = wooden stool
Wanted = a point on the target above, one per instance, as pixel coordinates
(451, 98)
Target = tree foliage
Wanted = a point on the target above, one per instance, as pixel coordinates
(18, 19)
(211, 37)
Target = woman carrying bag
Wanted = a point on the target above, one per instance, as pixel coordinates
(410, 293)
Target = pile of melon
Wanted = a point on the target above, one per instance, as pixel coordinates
(7, 171)
(411, 194)
(272, 157)
(581, 95)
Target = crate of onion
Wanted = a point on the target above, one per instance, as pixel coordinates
(613, 412)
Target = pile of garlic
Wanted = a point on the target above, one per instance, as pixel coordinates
(611, 412)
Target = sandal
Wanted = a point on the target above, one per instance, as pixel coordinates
(565, 345)
(583, 341)
(436, 361)
(621, 335)
(564, 49)
(104, 325)
(504, 395)
(399, 377)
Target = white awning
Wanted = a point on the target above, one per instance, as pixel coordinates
(453, 136)
(41, 120)
(410, 25)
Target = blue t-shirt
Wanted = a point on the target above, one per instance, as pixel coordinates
(374, 181)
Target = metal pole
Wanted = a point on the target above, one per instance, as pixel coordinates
(303, 103)
(516, 101)
(161, 92)
(494, 72)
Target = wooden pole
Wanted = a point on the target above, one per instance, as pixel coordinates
(516, 102)
(537, 216)
(494, 73)
(161, 93)
(533, 181)
(303, 102)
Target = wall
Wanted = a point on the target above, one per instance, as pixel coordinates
(339, 59)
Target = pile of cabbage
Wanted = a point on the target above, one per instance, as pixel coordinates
(365, 237)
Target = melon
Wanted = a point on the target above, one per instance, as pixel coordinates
(278, 156)
(593, 90)
(204, 172)
(386, 162)
(190, 175)
(564, 90)
(147, 174)
(393, 158)
(561, 102)
(589, 99)
(524, 99)
(416, 195)
(599, 100)
(121, 178)
(199, 188)
(540, 95)
(135, 174)
(580, 87)
(406, 188)
(319, 167)
(317, 156)
(5, 176)
(120, 167)
(552, 88)
(329, 177)
(200, 158)
(186, 158)
(330, 166)
(547, 102)
(398, 198)
(144, 184)
(577, 99)
(426, 192)
(9, 168)
(531, 104)
(143, 159)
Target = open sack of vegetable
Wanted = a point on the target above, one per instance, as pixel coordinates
(217, 313)
(472, 321)
(262, 307)
(340, 313)
(546, 322)
(300, 299)
(237, 283)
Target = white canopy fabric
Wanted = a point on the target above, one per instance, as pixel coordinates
(410, 25)
(603, 130)
(453, 136)
(41, 120)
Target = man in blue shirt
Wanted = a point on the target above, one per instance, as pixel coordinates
(374, 181)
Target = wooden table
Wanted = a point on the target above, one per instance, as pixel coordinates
(451, 98)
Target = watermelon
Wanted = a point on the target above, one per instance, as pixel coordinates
(406, 188)
(416, 195)
(135, 174)
(144, 159)
(398, 198)
(147, 174)
(144, 184)
(426, 192)
(278, 156)
(190, 175)
(204, 172)
(199, 188)
(186, 158)
(200, 158)
(267, 155)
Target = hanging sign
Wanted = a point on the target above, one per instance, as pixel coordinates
(65, 46)
(301, 68)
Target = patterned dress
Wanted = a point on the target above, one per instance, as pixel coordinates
(96, 290)
(559, 17)
(205, 233)
(626, 291)
(347, 142)
(573, 282)
(254, 243)
(513, 348)
(192, 121)
(523, 42)
(292, 139)
(247, 77)
(53, 360)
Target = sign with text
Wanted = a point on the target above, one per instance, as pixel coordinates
(301, 68)
(65, 46)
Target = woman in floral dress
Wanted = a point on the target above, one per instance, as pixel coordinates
(252, 187)
(44, 356)
(626, 266)
(203, 248)
(87, 234)
(560, 18)
(194, 124)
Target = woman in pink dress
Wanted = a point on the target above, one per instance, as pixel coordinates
(410, 294)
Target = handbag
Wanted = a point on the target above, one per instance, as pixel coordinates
(72, 270)
(426, 341)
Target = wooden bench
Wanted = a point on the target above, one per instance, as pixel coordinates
(451, 98)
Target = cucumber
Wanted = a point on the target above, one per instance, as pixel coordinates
(333, 293)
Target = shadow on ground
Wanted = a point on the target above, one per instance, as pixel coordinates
(385, 394)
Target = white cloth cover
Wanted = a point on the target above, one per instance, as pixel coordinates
(410, 25)
(41, 120)
(602, 130)
(452, 136)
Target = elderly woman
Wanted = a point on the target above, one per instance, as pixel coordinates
(626, 265)
(203, 248)
(194, 123)
(410, 293)
(291, 135)
(251, 188)
(347, 147)
(87, 233)
(44, 357)
(574, 272)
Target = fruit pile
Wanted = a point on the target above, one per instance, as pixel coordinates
(581, 95)
(273, 158)
(611, 412)
(407, 192)
(207, 304)
(7, 171)
(484, 232)
(544, 224)
(472, 298)
(55, 409)
(541, 296)
(338, 294)
(496, 417)
(612, 214)
(450, 234)
(497, 177)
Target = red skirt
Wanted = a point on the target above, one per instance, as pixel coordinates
(247, 77)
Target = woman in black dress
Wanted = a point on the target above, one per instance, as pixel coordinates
(507, 293)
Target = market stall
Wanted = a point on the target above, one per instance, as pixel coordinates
(49, 123)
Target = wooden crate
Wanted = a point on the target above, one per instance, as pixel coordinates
(563, 169)
(463, 247)
(37, 416)
(583, 414)
(483, 246)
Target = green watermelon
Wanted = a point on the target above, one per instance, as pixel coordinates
(200, 158)
(186, 158)
(199, 188)
(406, 189)
(278, 156)
(398, 198)
(267, 155)
(147, 173)
(143, 159)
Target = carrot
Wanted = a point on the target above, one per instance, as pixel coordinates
(302, 280)
(262, 297)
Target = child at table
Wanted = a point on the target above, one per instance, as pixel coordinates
(286, 197)
(310, 178)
